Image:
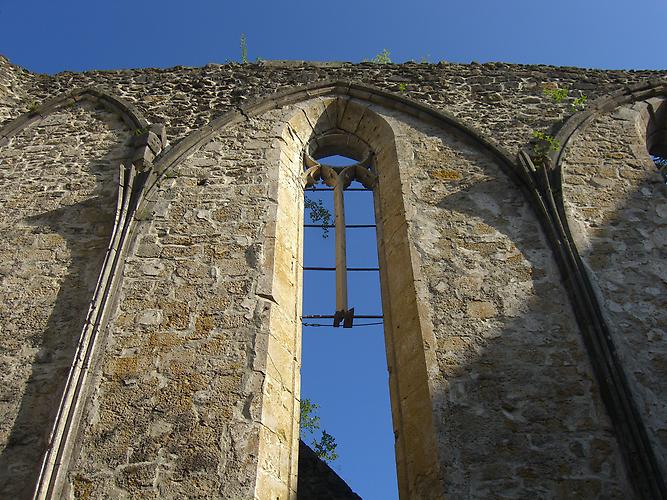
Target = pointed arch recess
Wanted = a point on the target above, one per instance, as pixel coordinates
(149, 140)
(524, 174)
(605, 104)
(131, 115)
(408, 330)
(419, 472)
(639, 452)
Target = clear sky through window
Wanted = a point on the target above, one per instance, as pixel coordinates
(345, 370)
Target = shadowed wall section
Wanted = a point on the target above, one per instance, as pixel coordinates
(616, 205)
(58, 186)
(516, 407)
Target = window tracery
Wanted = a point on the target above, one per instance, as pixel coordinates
(338, 179)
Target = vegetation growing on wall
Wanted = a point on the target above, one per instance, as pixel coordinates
(244, 49)
(325, 448)
(542, 142)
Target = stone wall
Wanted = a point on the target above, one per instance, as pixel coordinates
(14, 98)
(503, 100)
(178, 410)
(514, 374)
(617, 211)
(194, 387)
(57, 205)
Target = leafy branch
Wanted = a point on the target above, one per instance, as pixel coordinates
(325, 448)
(309, 421)
(542, 145)
(318, 212)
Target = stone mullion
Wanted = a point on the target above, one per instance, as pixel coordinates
(340, 181)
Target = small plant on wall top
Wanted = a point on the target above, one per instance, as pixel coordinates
(244, 49)
(382, 57)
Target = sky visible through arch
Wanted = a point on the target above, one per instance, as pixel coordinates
(49, 37)
(344, 370)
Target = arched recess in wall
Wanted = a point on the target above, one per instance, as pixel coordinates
(62, 214)
(615, 203)
(450, 204)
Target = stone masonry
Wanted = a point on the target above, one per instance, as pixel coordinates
(150, 268)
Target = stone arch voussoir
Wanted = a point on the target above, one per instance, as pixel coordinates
(363, 92)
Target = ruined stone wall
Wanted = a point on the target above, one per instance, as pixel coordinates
(616, 205)
(503, 100)
(58, 184)
(178, 410)
(195, 387)
(15, 98)
(514, 374)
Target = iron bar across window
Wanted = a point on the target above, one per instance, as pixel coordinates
(331, 316)
(347, 225)
(313, 268)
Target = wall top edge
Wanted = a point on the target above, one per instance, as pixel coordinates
(293, 64)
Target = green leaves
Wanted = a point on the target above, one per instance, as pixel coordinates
(382, 58)
(319, 212)
(548, 141)
(309, 421)
(579, 103)
(325, 448)
(541, 147)
(557, 94)
(244, 49)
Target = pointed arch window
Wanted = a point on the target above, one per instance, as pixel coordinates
(338, 179)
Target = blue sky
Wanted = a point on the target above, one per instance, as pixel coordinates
(49, 36)
(344, 371)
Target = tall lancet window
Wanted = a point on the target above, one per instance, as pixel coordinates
(344, 367)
